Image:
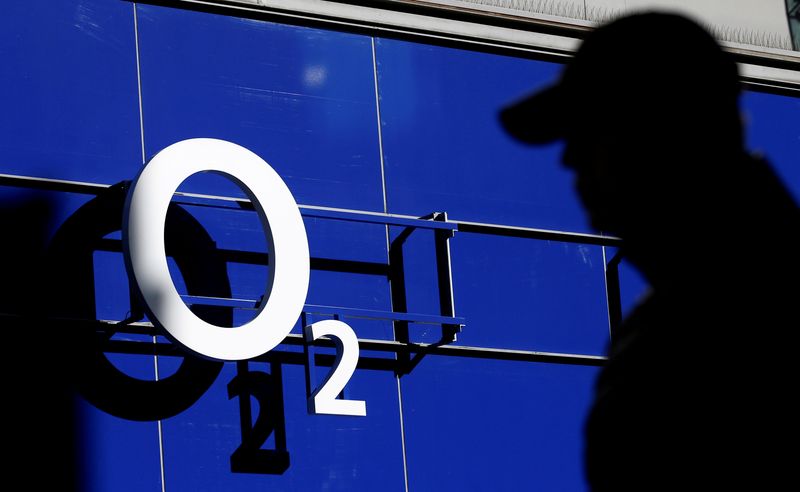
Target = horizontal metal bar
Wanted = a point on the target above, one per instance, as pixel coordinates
(475, 352)
(317, 211)
(336, 213)
(365, 361)
(134, 328)
(375, 218)
(448, 350)
(146, 328)
(518, 355)
(346, 312)
(322, 212)
(258, 258)
(162, 348)
(52, 184)
(250, 304)
(533, 233)
(198, 199)
(430, 319)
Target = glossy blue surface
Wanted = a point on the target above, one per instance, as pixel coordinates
(120, 454)
(445, 150)
(480, 425)
(304, 99)
(514, 293)
(326, 452)
(69, 98)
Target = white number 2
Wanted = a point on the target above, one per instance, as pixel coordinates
(323, 400)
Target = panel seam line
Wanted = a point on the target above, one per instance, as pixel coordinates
(139, 82)
(388, 244)
(605, 284)
(144, 160)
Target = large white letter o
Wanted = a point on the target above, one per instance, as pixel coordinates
(146, 260)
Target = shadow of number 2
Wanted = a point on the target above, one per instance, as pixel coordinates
(267, 389)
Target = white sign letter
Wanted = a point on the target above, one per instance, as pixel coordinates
(323, 399)
(146, 261)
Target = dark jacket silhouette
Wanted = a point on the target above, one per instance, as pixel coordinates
(698, 391)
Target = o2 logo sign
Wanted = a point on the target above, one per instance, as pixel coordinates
(287, 285)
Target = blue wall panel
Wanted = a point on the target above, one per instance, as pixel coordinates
(69, 98)
(479, 425)
(532, 295)
(303, 99)
(326, 452)
(445, 149)
(515, 293)
(119, 454)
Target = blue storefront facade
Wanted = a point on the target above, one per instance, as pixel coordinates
(377, 137)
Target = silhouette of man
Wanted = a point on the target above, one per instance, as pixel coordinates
(696, 394)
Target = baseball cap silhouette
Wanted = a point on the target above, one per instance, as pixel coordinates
(628, 71)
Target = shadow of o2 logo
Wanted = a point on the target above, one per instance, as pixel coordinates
(146, 262)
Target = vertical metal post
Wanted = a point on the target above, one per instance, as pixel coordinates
(309, 353)
(444, 272)
(613, 294)
(398, 291)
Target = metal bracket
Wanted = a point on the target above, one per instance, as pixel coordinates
(613, 294)
(445, 278)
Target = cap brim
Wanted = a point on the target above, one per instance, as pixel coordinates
(538, 118)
